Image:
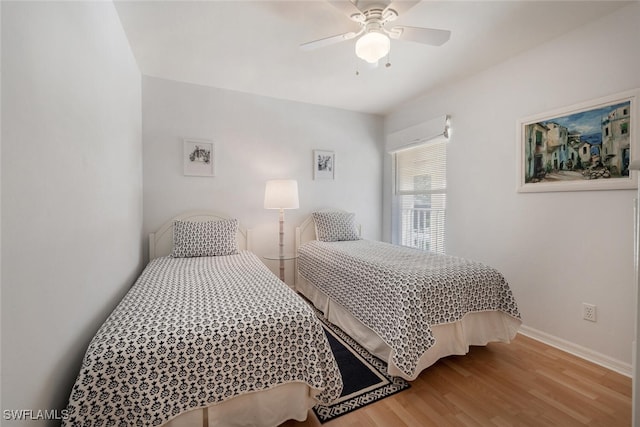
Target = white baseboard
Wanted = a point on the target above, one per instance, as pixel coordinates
(577, 350)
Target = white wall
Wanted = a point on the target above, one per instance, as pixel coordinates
(71, 191)
(557, 250)
(1, 211)
(257, 139)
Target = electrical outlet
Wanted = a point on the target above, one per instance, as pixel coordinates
(589, 312)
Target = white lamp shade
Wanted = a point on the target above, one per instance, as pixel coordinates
(281, 194)
(373, 46)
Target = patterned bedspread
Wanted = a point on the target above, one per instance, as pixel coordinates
(197, 331)
(400, 292)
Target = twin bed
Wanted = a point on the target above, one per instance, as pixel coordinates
(406, 306)
(206, 336)
(209, 336)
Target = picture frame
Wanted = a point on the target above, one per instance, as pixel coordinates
(324, 164)
(199, 157)
(586, 146)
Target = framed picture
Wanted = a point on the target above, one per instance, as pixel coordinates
(587, 146)
(199, 157)
(324, 164)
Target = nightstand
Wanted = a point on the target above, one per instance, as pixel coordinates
(282, 258)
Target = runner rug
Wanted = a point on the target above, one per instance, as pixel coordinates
(364, 376)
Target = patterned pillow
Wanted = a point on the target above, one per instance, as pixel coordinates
(207, 238)
(335, 226)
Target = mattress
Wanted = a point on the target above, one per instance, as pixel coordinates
(195, 333)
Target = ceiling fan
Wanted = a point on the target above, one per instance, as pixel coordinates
(374, 35)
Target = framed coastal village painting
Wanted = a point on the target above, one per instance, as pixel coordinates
(587, 146)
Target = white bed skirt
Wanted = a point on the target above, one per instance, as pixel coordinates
(261, 409)
(451, 338)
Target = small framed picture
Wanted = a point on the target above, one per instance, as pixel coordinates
(324, 164)
(199, 157)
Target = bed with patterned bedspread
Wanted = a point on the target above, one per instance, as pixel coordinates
(195, 332)
(401, 294)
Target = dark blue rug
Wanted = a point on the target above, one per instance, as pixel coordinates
(364, 376)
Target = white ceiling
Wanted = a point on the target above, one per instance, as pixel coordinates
(252, 46)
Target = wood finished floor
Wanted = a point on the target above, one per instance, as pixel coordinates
(525, 383)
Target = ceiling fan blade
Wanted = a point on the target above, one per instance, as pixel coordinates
(327, 41)
(348, 8)
(430, 36)
(401, 6)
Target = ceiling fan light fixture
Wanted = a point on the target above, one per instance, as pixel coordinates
(372, 46)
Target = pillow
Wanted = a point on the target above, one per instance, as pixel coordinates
(207, 238)
(335, 226)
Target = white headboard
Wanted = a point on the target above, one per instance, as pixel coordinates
(307, 230)
(161, 242)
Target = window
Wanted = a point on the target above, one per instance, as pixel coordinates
(420, 191)
(624, 128)
(538, 137)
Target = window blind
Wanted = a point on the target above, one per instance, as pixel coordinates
(413, 165)
(421, 186)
